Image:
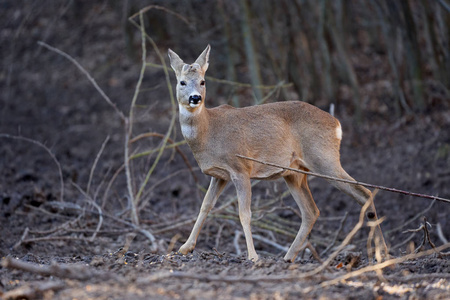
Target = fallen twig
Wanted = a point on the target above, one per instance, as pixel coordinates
(22, 238)
(54, 238)
(314, 253)
(33, 290)
(270, 242)
(136, 228)
(67, 271)
(347, 181)
(383, 265)
(426, 236)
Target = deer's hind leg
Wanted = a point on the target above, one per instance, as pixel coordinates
(362, 195)
(359, 193)
(298, 186)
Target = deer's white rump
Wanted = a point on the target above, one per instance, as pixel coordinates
(291, 133)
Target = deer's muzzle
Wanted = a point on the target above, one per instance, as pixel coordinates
(195, 99)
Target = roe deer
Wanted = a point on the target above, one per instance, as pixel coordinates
(291, 133)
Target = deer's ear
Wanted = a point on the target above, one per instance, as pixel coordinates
(203, 59)
(175, 62)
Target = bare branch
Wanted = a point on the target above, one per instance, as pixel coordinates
(89, 77)
(68, 271)
(95, 164)
(144, 36)
(172, 145)
(347, 181)
(158, 7)
(349, 236)
(22, 138)
(383, 265)
(270, 242)
(34, 290)
(234, 83)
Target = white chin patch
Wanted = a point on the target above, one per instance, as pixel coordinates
(194, 105)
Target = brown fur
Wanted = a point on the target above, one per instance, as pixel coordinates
(290, 133)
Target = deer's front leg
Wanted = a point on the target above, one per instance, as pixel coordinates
(215, 189)
(244, 193)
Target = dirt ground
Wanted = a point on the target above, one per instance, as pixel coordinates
(78, 242)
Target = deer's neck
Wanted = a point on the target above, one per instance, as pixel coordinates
(194, 125)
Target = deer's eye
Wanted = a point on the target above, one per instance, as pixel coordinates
(183, 82)
(202, 82)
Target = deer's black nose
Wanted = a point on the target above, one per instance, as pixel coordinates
(195, 99)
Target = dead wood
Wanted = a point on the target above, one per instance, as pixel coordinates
(385, 264)
(34, 290)
(66, 271)
(426, 237)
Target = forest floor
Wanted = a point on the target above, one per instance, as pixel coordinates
(76, 241)
(48, 249)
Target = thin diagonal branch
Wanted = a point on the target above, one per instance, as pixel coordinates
(347, 181)
(86, 73)
(22, 138)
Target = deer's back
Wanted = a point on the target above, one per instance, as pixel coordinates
(270, 122)
(271, 132)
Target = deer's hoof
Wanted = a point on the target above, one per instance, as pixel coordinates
(289, 258)
(185, 249)
(253, 258)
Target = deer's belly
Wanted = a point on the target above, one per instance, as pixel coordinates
(269, 173)
(217, 173)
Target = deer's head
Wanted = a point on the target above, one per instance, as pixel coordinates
(190, 89)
